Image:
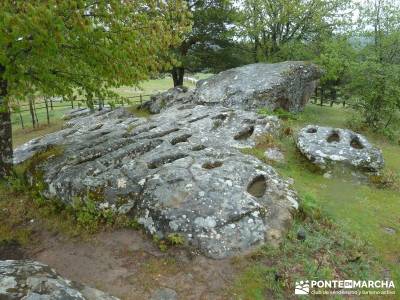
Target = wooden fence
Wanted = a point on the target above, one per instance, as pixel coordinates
(49, 105)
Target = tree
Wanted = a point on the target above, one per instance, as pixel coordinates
(376, 73)
(210, 29)
(82, 47)
(335, 57)
(273, 25)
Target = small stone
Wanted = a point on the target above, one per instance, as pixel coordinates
(301, 235)
(164, 294)
(390, 230)
(278, 276)
(290, 181)
(274, 154)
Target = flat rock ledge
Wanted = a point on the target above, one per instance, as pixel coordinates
(30, 280)
(179, 172)
(327, 145)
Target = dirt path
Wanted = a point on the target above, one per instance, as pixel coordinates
(128, 265)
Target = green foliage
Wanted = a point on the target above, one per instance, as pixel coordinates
(375, 79)
(280, 30)
(335, 58)
(172, 239)
(69, 47)
(210, 43)
(90, 217)
(175, 239)
(309, 208)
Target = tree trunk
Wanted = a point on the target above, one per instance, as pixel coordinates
(47, 110)
(177, 75)
(21, 120)
(32, 112)
(255, 50)
(6, 150)
(35, 111)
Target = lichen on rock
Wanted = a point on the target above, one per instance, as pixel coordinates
(176, 172)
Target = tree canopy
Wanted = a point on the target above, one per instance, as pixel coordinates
(81, 46)
(211, 31)
(59, 47)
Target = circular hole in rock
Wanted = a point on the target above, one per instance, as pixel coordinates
(212, 165)
(311, 130)
(356, 143)
(257, 186)
(245, 133)
(333, 137)
(198, 148)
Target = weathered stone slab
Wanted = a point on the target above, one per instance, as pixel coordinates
(325, 145)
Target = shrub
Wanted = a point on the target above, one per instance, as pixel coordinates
(386, 179)
(176, 239)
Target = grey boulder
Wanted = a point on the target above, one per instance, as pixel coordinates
(327, 145)
(179, 172)
(30, 280)
(287, 85)
(176, 95)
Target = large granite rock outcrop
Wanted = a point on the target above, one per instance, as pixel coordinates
(327, 145)
(287, 85)
(179, 172)
(30, 280)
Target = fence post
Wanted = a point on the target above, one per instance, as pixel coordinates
(34, 109)
(47, 110)
(141, 100)
(21, 119)
(32, 112)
